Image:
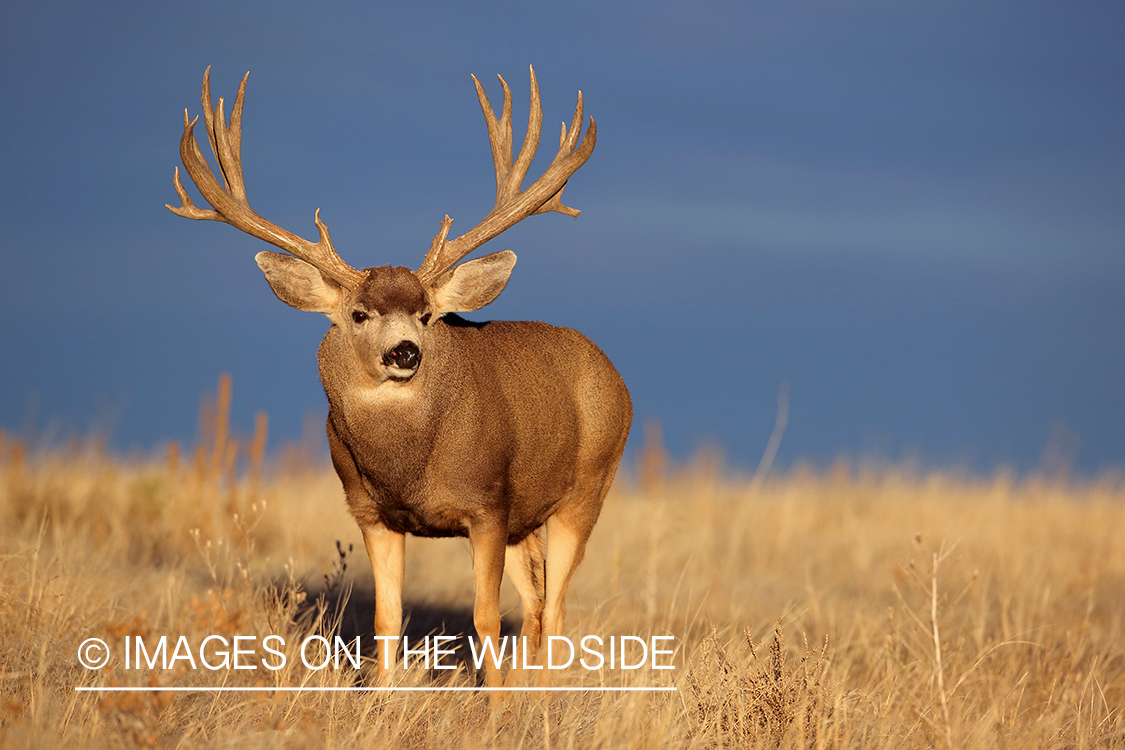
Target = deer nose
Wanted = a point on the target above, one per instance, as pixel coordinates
(405, 355)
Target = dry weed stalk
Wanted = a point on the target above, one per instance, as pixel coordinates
(222, 528)
(939, 671)
(930, 627)
(780, 423)
(652, 460)
(761, 702)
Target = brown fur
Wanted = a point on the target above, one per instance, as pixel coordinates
(428, 466)
(387, 288)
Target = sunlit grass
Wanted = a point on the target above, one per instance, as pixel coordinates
(850, 608)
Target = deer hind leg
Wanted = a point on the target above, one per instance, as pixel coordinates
(566, 543)
(524, 565)
(568, 530)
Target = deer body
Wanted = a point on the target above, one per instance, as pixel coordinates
(439, 426)
(434, 452)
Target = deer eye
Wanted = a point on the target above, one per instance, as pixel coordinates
(359, 316)
(426, 319)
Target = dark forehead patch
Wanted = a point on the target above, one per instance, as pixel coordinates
(388, 289)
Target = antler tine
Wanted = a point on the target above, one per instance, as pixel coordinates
(235, 129)
(499, 132)
(229, 140)
(228, 200)
(513, 203)
(208, 113)
(566, 146)
(530, 142)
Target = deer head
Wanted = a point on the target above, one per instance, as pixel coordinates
(386, 311)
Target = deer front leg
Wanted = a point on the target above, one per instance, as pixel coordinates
(387, 550)
(488, 539)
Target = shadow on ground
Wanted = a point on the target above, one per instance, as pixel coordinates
(350, 613)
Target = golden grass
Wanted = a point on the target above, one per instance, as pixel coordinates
(853, 608)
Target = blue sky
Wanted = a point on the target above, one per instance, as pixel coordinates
(914, 213)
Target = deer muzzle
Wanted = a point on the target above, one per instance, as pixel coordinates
(405, 355)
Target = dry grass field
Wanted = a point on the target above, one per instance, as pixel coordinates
(875, 608)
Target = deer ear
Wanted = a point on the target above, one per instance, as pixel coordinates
(299, 284)
(471, 286)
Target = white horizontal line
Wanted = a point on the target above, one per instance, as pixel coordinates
(294, 689)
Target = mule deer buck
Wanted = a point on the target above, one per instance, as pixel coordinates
(439, 426)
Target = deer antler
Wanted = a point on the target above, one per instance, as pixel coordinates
(512, 203)
(228, 201)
